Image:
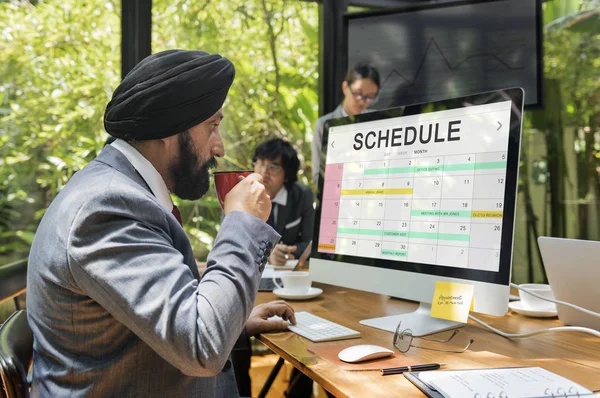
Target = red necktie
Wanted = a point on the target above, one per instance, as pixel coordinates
(177, 214)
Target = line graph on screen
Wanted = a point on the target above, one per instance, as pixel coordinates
(439, 53)
(453, 67)
(440, 70)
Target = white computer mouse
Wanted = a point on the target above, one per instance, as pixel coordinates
(363, 352)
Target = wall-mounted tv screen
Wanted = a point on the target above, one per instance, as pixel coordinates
(430, 53)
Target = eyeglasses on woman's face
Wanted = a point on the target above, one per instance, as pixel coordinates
(262, 166)
(359, 96)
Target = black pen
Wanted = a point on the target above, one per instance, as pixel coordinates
(414, 368)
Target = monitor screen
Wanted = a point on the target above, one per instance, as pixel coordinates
(429, 53)
(418, 194)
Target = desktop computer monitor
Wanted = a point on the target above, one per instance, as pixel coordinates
(414, 195)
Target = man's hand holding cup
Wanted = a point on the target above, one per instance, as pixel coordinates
(243, 191)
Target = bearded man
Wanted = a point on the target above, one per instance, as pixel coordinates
(114, 297)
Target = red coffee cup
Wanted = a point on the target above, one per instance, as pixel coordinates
(225, 180)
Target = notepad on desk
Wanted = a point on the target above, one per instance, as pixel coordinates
(528, 382)
(288, 266)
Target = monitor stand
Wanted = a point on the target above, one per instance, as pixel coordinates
(419, 322)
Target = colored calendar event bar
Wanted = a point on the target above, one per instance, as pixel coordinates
(382, 191)
(457, 213)
(327, 246)
(395, 253)
(404, 234)
(446, 167)
(441, 213)
(487, 214)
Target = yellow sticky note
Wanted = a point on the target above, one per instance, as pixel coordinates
(452, 301)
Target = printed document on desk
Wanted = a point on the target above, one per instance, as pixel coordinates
(528, 382)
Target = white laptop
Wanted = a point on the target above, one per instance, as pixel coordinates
(573, 269)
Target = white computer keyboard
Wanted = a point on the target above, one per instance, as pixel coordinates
(318, 329)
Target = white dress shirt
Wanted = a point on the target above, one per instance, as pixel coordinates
(280, 199)
(148, 172)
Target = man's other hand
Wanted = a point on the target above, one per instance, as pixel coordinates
(281, 253)
(259, 321)
(249, 196)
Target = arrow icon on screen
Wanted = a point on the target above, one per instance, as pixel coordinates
(332, 142)
(499, 126)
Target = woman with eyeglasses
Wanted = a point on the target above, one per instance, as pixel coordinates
(360, 88)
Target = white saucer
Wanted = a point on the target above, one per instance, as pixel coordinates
(312, 292)
(517, 307)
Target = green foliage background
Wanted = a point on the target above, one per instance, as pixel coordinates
(60, 62)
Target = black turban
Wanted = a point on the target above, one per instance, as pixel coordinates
(167, 93)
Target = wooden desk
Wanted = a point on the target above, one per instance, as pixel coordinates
(573, 355)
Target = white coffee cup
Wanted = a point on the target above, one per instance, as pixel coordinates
(294, 282)
(533, 303)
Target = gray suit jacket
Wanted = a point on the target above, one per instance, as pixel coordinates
(114, 299)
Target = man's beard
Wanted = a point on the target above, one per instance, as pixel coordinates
(191, 179)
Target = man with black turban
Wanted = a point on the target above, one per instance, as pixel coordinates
(114, 297)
